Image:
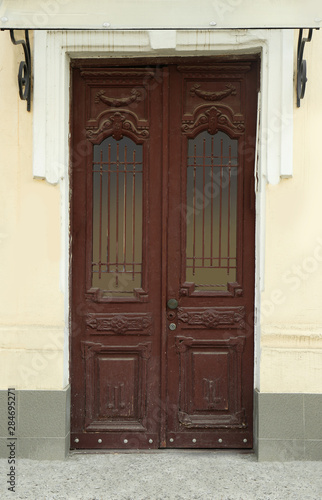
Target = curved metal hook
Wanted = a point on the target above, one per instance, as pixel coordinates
(24, 73)
(301, 66)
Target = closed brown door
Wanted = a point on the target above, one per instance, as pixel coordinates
(162, 229)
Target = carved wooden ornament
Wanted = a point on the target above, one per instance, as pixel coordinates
(116, 103)
(214, 119)
(120, 324)
(213, 317)
(116, 124)
(212, 96)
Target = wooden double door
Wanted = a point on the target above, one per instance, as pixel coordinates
(162, 252)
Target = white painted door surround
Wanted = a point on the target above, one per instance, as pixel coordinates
(53, 52)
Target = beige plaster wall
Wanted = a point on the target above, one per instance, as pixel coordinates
(31, 303)
(291, 315)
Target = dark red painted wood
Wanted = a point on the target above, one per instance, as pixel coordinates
(210, 355)
(136, 383)
(115, 344)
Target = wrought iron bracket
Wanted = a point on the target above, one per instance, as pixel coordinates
(24, 73)
(301, 66)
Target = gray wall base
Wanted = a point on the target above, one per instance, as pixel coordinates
(288, 426)
(43, 424)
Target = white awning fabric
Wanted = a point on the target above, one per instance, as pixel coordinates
(159, 14)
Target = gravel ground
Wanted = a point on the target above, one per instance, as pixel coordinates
(163, 476)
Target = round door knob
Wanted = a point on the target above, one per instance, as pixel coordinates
(172, 304)
(172, 326)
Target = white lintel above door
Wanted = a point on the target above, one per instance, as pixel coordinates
(159, 14)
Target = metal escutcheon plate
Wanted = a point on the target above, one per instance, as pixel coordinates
(172, 326)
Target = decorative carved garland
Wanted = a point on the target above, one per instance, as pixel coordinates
(116, 103)
(212, 96)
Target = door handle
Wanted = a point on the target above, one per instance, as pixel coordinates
(172, 304)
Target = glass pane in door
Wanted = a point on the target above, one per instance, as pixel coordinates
(117, 217)
(211, 227)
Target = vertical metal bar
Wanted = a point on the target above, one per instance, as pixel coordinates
(220, 200)
(212, 201)
(194, 211)
(100, 229)
(124, 223)
(228, 243)
(117, 213)
(133, 218)
(203, 200)
(108, 207)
